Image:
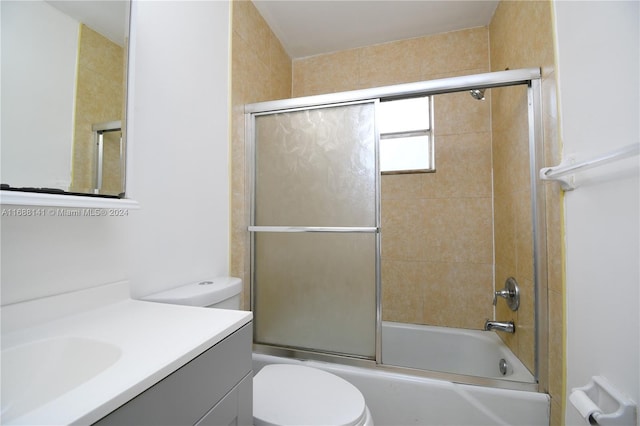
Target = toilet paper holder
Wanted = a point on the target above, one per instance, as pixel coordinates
(600, 403)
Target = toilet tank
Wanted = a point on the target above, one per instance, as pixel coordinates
(220, 292)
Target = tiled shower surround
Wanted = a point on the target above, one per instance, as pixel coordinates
(441, 232)
(100, 76)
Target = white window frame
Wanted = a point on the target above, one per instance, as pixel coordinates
(428, 166)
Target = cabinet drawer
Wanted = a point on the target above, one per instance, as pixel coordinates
(235, 409)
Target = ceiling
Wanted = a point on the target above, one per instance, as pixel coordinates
(108, 17)
(312, 27)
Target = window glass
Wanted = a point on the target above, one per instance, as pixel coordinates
(404, 115)
(405, 154)
(406, 139)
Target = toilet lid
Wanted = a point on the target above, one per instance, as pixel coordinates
(285, 394)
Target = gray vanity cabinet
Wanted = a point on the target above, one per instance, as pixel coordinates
(215, 388)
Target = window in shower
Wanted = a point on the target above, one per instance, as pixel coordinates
(406, 135)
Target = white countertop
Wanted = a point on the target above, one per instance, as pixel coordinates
(154, 340)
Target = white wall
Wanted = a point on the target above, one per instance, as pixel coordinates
(178, 131)
(43, 256)
(598, 70)
(39, 49)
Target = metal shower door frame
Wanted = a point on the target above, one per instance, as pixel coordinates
(531, 77)
(98, 131)
(251, 159)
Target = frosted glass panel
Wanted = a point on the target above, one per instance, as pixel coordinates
(316, 291)
(316, 167)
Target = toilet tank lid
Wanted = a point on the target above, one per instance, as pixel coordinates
(200, 293)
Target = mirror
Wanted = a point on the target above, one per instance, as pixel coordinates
(63, 96)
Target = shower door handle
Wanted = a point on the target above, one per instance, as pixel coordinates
(342, 229)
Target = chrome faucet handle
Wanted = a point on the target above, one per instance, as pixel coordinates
(502, 293)
(510, 292)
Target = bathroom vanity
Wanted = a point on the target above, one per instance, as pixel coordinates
(213, 389)
(97, 356)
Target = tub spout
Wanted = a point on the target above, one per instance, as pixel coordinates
(507, 327)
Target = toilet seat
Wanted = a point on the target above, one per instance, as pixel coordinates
(286, 394)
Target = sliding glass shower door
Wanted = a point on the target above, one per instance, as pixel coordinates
(315, 226)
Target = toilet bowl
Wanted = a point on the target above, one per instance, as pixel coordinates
(283, 394)
(286, 394)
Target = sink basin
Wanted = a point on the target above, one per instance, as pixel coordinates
(35, 373)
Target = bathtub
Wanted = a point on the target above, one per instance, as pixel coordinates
(401, 399)
(451, 350)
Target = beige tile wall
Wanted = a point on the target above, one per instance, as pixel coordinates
(521, 36)
(440, 225)
(261, 70)
(99, 98)
(512, 209)
(403, 61)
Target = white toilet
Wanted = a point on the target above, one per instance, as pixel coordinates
(283, 394)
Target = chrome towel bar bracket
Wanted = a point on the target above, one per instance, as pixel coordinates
(564, 172)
